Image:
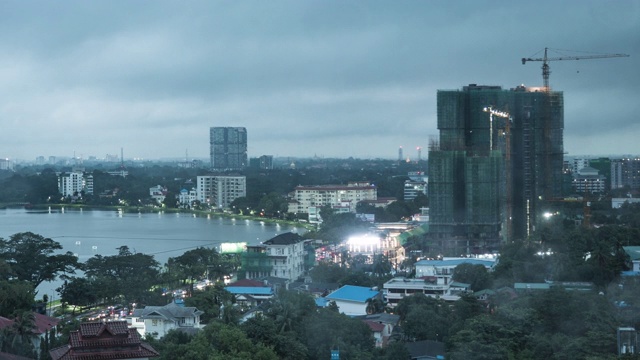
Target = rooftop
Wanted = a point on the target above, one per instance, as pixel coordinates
(456, 262)
(249, 290)
(633, 252)
(353, 293)
(169, 311)
(284, 239)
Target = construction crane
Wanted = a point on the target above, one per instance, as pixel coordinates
(503, 114)
(545, 62)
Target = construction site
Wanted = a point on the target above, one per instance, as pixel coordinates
(499, 154)
(497, 163)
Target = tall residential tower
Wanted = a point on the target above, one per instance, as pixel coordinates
(228, 148)
(489, 176)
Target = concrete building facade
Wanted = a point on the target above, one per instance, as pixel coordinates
(228, 148)
(220, 190)
(336, 196)
(75, 182)
(625, 173)
(282, 256)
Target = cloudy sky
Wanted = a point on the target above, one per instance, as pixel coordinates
(326, 78)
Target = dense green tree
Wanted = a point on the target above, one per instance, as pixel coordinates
(273, 205)
(15, 296)
(243, 206)
(288, 309)
(194, 265)
(212, 300)
(474, 274)
(78, 291)
(327, 330)
(327, 272)
(33, 258)
(263, 330)
(126, 274)
(356, 278)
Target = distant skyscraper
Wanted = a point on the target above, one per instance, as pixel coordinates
(228, 148)
(488, 180)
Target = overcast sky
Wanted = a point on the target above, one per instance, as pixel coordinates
(326, 78)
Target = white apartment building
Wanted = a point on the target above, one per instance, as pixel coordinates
(187, 197)
(220, 190)
(336, 196)
(578, 164)
(158, 193)
(75, 182)
(588, 180)
(433, 278)
(6, 164)
(282, 257)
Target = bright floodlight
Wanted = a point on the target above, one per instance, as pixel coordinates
(363, 243)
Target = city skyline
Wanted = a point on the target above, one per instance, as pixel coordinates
(328, 79)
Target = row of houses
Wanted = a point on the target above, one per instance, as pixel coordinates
(213, 190)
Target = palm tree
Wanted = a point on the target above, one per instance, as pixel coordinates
(17, 338)
(374, 305)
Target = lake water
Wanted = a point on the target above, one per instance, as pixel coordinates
(90, 232)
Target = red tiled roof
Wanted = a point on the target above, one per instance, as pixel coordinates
(7, 356)
(374, 326)
(4, 322)
(44, 323)
(98, 341)
(247, 283)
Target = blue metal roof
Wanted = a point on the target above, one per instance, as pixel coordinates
(249, 290)
(456, 262)
(353, 293)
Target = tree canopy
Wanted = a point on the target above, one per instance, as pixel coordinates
(33, 258)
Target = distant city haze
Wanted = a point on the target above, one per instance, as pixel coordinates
(305, 78)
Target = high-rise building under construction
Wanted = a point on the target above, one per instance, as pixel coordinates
(489, 175)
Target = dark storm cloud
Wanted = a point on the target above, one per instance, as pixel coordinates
(329, 78)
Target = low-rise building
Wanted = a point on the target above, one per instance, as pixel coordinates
(187, 197)
(588, 180)
(434, 278)
(616, 203)
(104, 340)
(159, 320)
(397, 289)
(282, 256)
(250, 296)
(444, 268)
(634, 255)
(353, 300)
(335, 196)
(158, 193)
(381, 326)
